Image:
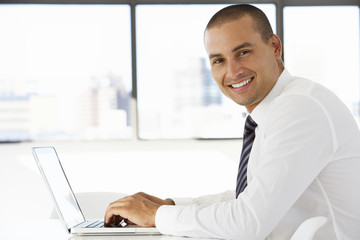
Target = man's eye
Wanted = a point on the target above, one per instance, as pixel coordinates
(242, 53)
(217, 61)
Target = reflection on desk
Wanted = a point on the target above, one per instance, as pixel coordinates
(54, 230)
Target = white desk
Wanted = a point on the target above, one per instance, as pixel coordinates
(54, 230)
(33, 229)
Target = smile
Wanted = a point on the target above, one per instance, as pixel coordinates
(243, 83)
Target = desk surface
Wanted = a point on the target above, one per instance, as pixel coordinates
(33, 229)
(54, 230)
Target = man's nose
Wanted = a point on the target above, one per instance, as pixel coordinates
(234, 69)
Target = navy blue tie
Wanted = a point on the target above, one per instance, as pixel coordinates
(249, 136)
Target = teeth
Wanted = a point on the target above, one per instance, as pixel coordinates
(242, 83)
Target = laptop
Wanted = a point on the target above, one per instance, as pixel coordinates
(66, 203)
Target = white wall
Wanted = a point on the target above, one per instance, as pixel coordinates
(162, 168)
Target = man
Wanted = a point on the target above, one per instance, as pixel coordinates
(304, 161)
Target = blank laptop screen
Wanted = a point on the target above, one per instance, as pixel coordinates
(53, 172)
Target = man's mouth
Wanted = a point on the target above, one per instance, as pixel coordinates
(241, 84)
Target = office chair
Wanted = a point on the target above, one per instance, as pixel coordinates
(308, 228)
(93, 204)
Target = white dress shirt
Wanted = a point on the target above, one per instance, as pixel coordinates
(305, 162)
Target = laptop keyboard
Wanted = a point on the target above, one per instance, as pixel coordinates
(96, 224)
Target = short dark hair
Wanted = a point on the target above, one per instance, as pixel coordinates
(234, 12)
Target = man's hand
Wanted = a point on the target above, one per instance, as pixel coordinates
(156, 199)
(139, 209)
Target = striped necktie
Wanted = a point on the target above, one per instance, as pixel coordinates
(249, 136)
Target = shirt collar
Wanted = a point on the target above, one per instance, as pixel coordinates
(259, 112)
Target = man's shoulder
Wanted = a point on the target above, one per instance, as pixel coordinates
(308, 89)
(299, 85)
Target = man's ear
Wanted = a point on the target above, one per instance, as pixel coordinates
(276, 44)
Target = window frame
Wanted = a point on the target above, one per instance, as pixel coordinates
(279, 6)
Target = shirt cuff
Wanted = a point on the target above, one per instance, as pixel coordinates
(164, 218)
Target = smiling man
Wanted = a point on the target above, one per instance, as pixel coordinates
(240, 53)
(301, 148)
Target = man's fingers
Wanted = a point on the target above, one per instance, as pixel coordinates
(136, 209)
(116, 219)
(113, 213)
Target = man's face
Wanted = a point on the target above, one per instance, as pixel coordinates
(242, 64)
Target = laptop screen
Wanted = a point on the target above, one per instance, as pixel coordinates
(54, 175)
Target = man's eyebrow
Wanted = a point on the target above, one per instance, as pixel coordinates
(214, 55)
(243, 45)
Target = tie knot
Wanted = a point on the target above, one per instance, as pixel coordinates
(250, 125)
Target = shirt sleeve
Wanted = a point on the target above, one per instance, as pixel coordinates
(291, 148)
(208, 199)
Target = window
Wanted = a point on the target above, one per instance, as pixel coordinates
(324, 47)
(65, 72)
(177, 97)
(66, 69)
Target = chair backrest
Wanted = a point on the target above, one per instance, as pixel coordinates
(308, 228)
(94, 204)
